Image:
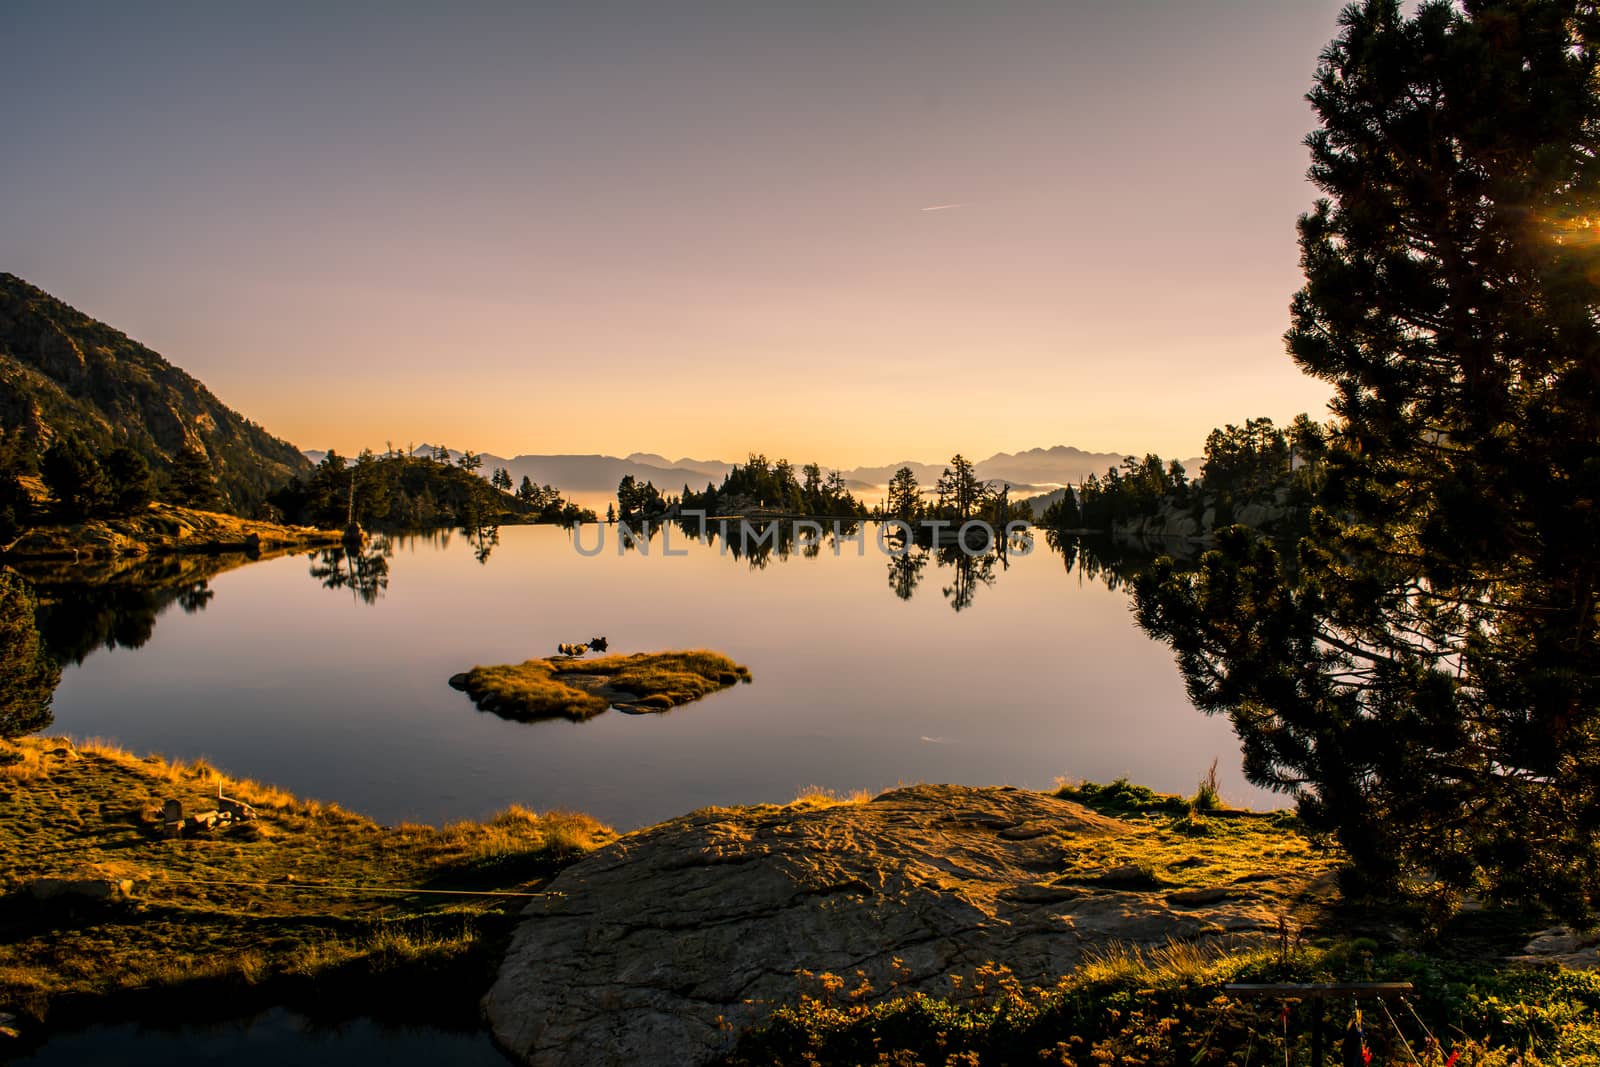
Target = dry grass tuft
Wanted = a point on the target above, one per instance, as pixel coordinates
(820, 796)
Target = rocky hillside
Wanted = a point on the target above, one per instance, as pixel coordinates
(63, 372)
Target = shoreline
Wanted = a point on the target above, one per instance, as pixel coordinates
(161, 529)
(309, 907)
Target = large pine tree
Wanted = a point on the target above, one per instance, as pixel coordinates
(1425, 677)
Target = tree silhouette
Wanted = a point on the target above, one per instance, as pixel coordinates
(194, 483)
(961, 495)
(1423, 673)
(130, 484)
(905, 499)
(74, 478)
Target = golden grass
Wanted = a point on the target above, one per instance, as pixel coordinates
(820, 796)
(288, 896)
(674, 677)
(579, 689)
(1179, 847)
(530, 690)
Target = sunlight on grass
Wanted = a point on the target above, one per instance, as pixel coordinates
(579, 689)
(304, 891)
(820, 796)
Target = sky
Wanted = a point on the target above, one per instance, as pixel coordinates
(850, 232)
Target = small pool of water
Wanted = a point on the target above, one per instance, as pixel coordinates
(275, 1038)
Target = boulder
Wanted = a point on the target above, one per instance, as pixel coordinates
(80, 888)
(660, 947)
(1563, 946)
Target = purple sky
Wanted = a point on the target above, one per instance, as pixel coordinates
(693, 229)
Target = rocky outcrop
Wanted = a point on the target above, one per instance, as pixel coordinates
(1564, 947)
(662, 946)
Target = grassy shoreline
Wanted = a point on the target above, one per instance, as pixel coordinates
(314, 908)
(306, 903)
(162, 529)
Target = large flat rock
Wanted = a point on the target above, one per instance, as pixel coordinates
(661, 947)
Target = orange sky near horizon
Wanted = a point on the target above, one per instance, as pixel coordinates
(855, 234)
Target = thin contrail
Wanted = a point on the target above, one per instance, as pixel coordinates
(942, 207)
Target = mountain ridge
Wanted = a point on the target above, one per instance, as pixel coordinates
(1031, 470)
(64, 372)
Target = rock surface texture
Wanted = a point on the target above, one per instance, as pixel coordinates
(661, 947)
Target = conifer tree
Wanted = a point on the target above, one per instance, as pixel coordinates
(1423, 670)
(74, 478)
(194, 483)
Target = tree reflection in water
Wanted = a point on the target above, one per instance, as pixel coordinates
(363, 571)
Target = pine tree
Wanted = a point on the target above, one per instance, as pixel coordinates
(1063, 514)
(960, 492)
(905, 499)
(74, 478)
(130, 484)
(1424, 672)
(194, 483)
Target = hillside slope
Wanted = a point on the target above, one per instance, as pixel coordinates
(64, 372)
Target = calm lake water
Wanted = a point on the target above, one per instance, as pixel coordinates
(272, 674)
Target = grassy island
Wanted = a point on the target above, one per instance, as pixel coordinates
(570, 687)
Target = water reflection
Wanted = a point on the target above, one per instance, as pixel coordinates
(484, 540)
(905, 572)
(118, 606)
(364, 570)
(757, 542)
(1117, 563)
(854, 674)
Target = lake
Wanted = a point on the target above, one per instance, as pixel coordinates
(283, 671)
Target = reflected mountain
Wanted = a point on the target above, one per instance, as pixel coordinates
(114, 603)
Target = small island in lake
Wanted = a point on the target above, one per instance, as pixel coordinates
(573, 688)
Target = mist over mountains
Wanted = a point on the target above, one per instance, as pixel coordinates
(1033, 470)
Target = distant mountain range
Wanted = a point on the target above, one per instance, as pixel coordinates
(1034, 471)
(63, 372)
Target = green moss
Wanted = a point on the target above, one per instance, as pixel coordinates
(1122, 797)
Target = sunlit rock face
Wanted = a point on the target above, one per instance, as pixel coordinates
(661, 947)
